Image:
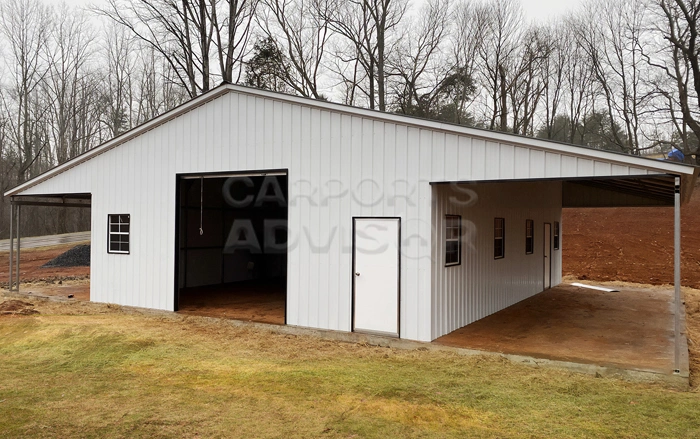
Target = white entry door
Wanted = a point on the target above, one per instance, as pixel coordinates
(547, 256)
(376, 253)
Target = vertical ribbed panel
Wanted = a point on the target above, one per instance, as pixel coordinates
(340, 165)
(482, 285)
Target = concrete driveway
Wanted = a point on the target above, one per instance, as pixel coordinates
(629, 329)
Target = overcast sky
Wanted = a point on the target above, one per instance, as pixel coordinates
(538, 10)
(535, 10)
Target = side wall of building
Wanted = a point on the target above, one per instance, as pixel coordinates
(482, 285)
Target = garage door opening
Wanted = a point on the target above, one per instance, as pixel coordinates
(232, 246)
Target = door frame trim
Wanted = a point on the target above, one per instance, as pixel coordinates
(544, 240)
(398, 279)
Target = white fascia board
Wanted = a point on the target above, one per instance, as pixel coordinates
(545, 145)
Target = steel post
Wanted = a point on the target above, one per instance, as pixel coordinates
(12, 245)
(677, 273)
(18, 243)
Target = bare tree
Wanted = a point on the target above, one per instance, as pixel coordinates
(501, 42)
(232, 34)
(303, 34)
(186, 32)
(120, 69)
(368, 27)
(25, 25)
(467, 39)
(528, 79)
(612, 34)
(418, 63)
(68, 53)
(679, 25)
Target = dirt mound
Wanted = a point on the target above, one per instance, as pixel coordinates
(78, 256)
(631, 244)
(13, 306)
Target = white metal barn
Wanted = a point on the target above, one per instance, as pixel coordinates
(364, 221)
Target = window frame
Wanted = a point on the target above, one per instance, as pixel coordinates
(502, 237)
(120, 233)
(458, 239)
(529, 236)
(556, 233)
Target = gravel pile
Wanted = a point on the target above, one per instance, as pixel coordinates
(78, 256)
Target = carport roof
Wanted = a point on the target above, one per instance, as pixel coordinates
(610, 191)
(664, 169)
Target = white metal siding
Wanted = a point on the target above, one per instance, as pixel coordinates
(341, 163)
(482, 285)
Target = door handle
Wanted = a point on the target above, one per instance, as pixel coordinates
(357, 274)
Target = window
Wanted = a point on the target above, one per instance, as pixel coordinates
(499, 238)
(118, 235)
(529, 237)
(556, 235)
(453, 242)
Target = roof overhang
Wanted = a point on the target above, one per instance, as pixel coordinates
(56, 200)
(612, 191)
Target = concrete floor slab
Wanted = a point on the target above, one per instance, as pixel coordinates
(631, 329)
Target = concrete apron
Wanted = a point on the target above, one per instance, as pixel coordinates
(679, 381)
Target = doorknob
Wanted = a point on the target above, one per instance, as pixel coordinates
(357, 274)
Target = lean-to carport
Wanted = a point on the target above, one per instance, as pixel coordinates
(651, 190)
(16, 203)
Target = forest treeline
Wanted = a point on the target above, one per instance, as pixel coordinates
(621, 75)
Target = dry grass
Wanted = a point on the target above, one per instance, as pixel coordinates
(92, 370)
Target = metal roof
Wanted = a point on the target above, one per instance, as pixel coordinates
(689, 173)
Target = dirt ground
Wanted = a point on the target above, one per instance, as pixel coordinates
(251, 301)
(33, 258)
(631, 244)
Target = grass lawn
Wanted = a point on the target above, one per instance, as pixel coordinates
(91, 370)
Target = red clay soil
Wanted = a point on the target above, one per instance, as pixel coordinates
(631, 244)
(79, 290)
(32, 260)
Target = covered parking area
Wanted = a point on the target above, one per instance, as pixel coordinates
(77, 200)
(634, 329)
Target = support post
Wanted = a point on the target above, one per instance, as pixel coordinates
(18, 244)
(677, 273)
(10, 286)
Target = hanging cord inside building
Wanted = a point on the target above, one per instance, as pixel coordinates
(201, 206)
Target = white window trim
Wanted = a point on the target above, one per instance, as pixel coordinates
(110, 232)
(458, 240)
